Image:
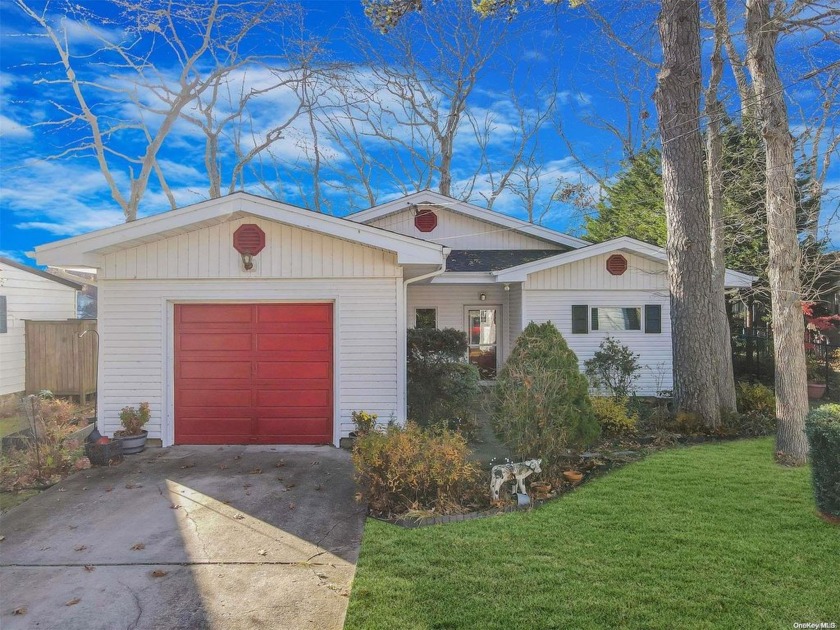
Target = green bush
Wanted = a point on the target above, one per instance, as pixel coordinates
(541, 400)
(755, 398)
(364, 422)
(613, 368)
(443, 390)
(414, 469)
(822, 426)
(613, 416)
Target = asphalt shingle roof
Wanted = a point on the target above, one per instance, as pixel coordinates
(485, 260)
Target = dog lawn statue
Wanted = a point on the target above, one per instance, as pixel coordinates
(503, 473)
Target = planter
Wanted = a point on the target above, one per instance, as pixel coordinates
(104, 454)
(572, 476)
(816, 390)
(132, 444)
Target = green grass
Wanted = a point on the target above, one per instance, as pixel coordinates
(704, 537)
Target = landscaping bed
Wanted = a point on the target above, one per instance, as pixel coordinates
(706, 536)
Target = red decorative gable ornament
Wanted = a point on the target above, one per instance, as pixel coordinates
(425, 220)
(249, 239)
(616, 264)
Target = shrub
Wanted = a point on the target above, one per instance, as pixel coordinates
(822, 426)
(613, 416)
(411, 468)
(442, 388)
(133, 420)
(541, 400)
(613, 368)
(755, 398)
(365, 422)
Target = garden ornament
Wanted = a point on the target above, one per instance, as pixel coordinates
(518, 472)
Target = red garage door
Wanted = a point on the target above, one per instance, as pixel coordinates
(253, 373)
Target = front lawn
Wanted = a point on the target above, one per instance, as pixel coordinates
(712, 536)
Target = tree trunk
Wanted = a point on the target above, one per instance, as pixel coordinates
(783, 243)
(722, 337)
(677, 100)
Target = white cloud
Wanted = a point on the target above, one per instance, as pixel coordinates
(11, 129)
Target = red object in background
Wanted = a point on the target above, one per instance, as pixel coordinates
(616, 264)
(253, 373)
(425, 220)
(103, 440)
(249, 239)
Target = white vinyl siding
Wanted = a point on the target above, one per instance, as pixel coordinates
(515, 310)
(550, 295)
(290, 252)
(452, 301)
(28, 296)
(458, 231)
(136, 340)
(591, 273)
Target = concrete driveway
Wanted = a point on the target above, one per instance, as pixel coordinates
(187, 537)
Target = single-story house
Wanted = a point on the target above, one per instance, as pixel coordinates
(27, 293)
(247, 320)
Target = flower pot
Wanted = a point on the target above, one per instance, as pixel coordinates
(132, 444)
(816, 390)
(572, 476)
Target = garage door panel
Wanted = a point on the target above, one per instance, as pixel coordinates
(215, 313)
(276, 398)
(310, 314)
(214, 369)
(216, 397)
(227, 342)
(283, 342)
(253, 374)
(296, 369)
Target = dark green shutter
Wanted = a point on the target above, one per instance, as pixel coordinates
(593, 318)
(3, 315)
(653, 318)
(580, 314)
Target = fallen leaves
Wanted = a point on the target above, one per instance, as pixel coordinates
(158, 573)
(73, 601)
(190, 465)
(262, 552)
(90, 568)
(238, 516)
(280, 464)
(174, 506)
(138, 547)
(80, 547)
(19, 611)
(2, 538)
(256, 471)
(132, 486)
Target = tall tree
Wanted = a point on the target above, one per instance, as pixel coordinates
(677, 99)
(762, 30)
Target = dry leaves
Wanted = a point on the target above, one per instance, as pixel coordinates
(79, 547)
(89, 568)
(159, 574)
(138, 547)
(256, 471)
(132, 486)
(190, 465)
(238, 516)
(280, 464)
(19, 611)
(262, 552)
(73, 601)
(174, 507)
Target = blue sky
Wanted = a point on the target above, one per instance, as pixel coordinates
(556, 56)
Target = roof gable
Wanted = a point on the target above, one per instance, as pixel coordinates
(624, 243)
(78, 286)
(428, 197)
(87, 249)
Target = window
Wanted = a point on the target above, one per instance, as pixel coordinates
(616, 318)
(425, 318)
(481, 335)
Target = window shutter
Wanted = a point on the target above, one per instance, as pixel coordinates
(580, 314)
(3, 315)
(653, 318)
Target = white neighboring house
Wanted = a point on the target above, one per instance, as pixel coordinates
(281, 345)
(27, 293)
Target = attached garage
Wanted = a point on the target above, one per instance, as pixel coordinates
(279, 345)
(253, 373)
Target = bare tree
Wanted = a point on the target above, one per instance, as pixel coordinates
(765, 20)
(677, 99)
(721, 336)
(123, 118)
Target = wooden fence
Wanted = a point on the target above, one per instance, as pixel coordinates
(59, 360)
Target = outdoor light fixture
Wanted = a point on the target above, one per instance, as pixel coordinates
(248, 240)
(507, 287)
(482, 296)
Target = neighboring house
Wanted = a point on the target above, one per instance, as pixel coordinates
(285, 351)
(27, 293)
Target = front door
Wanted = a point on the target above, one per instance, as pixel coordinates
(482, 327)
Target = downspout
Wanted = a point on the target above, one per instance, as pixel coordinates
(402, 350)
